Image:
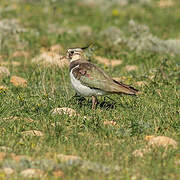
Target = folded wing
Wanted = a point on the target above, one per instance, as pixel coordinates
(95, 78)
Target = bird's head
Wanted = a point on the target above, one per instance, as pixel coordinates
(75, 53)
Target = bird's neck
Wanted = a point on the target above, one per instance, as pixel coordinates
(76, 57)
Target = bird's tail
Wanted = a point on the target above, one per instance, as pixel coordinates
(125, 89)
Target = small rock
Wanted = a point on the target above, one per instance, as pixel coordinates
(58, 173)
(63, 157)
(32, 133)
(131, 67)
(8, 171)
(32, 173)
(64, 110)
(155, 141)
(113, 123)
(18, 81)
(4, 72)
(161, 141)
(108, 62)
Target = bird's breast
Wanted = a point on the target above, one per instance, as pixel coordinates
(82, 89)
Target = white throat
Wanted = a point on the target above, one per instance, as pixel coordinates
(75, 57)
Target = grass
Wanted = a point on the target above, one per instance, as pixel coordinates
(154, 112)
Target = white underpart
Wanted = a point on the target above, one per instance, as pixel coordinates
(84, 90)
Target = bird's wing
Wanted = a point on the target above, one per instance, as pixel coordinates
(92, 76)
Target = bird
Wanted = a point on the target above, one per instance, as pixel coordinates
(89, 80)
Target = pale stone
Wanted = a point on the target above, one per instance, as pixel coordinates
(162, 141)
(32, 133)
(18, 81)
(32, 173)
(64, 110)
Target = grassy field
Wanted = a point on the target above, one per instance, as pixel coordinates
(143, 35)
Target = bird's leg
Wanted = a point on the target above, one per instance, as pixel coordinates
(94, 102)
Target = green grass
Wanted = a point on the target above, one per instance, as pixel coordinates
(154, 112)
